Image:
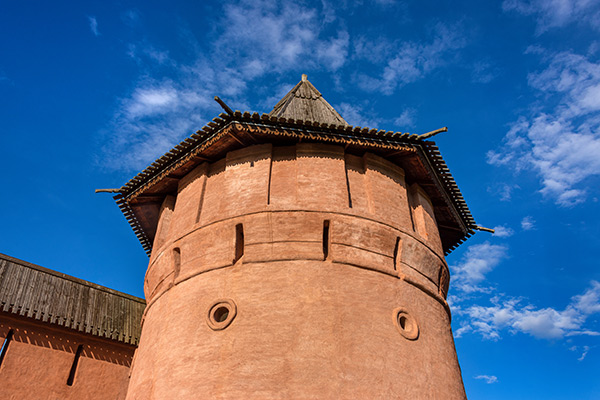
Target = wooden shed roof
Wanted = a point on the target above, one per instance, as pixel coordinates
(42, 294)
(140, 198)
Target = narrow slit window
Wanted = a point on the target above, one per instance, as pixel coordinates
(269, 182)
(176, 262)
(239, 242)
(325, 239)
(71, 378)
(5, 344)
(348, 189)
(397, 251)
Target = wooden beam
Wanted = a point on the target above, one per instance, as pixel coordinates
(235, 138)
(432, 133)
(450, 228)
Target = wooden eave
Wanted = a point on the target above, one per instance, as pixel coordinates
(30, 291)
(140, 198)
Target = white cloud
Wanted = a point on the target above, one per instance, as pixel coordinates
(376, 50)
(556, 13)
(94, 26)
(145, 52)
(544, 323)
(527, 223)
(282, 38)
(412, 60)
(406, 118)
(174, 96)
(355, 115)
(462, 330)
(487, 378)
(560, 142)
(476, 262)
(334, 52)
(503, 231)
(589, 302)
(584, 353)
(151, 120)
(148, 101)
(503, 191)
(483, 72)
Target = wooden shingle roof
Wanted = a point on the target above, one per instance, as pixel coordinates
(42, 294)
(304, 102)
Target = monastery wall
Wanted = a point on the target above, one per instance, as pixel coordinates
(296, 272)
(42, 361)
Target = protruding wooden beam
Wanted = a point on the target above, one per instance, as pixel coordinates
(432, 133)
(224, 106)
(107, 190)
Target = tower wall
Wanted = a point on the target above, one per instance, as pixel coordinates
(296, 272)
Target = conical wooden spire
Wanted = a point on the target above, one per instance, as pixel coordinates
(304, 102)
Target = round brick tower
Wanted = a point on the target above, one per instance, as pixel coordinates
(294, 256)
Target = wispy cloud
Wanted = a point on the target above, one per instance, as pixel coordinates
(94, 26)
(584, 351)
(410, 61)
(503, 231)
(359, 115)
(173, 95)
(503, 191)
(483, 72)
(476, 262)
(556, 13)
(355, 114)
(487, 378)
(527, 223)
(406, 118)
(283, 37)
(545, 323)
(561, 142)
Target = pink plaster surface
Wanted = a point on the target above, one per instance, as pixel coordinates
(39, 359)
(316, 310)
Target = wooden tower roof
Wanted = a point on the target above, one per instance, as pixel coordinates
(301, 116)
(304, 102)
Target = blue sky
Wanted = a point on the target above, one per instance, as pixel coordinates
(92, 92)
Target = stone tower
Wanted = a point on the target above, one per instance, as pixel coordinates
(295, 256)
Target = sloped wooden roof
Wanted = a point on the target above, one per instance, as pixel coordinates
(140, 198)
(39, 293)
(304, 102)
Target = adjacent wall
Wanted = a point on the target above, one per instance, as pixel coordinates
(39, 363)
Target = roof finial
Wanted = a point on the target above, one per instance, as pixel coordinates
(304, 78)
